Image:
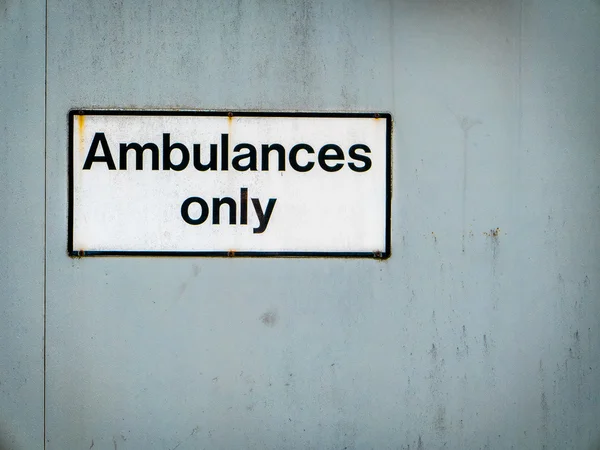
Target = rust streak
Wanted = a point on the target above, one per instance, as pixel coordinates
(493, 233)
(81, 126)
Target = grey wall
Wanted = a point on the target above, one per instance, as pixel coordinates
(481, 331)
(22, 114)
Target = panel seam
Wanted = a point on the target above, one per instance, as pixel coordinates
(45, 209)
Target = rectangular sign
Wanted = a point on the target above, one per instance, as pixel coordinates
(212, 183)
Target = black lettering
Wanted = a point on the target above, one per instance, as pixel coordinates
(251, 155)
(212, 164)
(139, 155)
(185, 210)
(167, 148)
(224, 151)
(266, 149)
(217, 202)
(263, 219)
(294, 158)
(99, 138)
(358, 157)
(324, 157)
(244, 206)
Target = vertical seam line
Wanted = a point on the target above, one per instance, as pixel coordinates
(45, 205)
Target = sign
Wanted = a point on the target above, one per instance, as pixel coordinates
(212, 183)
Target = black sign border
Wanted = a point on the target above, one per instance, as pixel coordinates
(385, 254)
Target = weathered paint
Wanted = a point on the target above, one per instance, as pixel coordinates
(81, 126)
(22, 121)
(481, 331)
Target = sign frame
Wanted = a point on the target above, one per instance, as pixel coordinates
(383, 254)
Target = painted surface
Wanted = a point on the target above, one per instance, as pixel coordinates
(21, 224)
(481, 331)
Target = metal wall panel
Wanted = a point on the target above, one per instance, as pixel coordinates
(481, 330)
(490, 143)
(22, 43)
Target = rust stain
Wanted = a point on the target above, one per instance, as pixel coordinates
(493, 233)
(229, 123)
(231, 253)
(81, 126)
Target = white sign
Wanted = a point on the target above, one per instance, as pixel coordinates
(218, 183)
